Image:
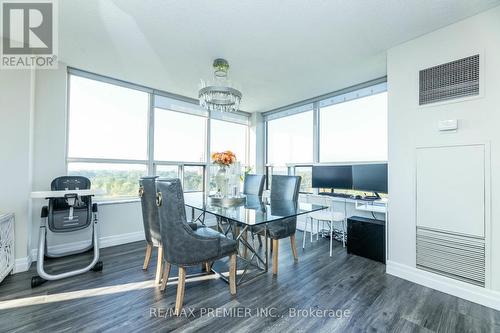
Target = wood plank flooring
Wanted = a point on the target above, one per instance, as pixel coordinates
(122, 298)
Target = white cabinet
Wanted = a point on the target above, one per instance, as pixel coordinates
(451, 212)
(451, 189)
(6, 244)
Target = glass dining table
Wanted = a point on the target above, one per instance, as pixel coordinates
(252, 217)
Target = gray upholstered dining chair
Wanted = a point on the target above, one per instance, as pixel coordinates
(253, 185)
(147, 193)
(283, 189)
(151, 222)
(184, 246)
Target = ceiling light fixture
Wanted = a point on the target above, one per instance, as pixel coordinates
(219, 95)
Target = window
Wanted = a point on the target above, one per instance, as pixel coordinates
(193, 178)
(106, 121)
(109, 123)
(229, 136)
(306, 182)
(167, 171)
(116, 179)
(179, 136)
(354, 131)
(290, 139)
(109, 138)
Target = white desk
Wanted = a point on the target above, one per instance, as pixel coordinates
(61, 194)
(375, 206)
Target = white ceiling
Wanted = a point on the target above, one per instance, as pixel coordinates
(280, 52)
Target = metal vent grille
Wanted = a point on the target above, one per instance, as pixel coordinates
(455, 256)
(448, 81)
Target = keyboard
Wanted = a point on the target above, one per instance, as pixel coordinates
(337, 195)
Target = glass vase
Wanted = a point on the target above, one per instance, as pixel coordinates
(221, 180)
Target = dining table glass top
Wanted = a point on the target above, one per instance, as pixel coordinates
(254, 211)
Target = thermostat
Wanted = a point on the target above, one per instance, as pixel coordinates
(448, 125)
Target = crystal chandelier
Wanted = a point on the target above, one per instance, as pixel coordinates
(219, 95)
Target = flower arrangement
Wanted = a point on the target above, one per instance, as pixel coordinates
(224, 158)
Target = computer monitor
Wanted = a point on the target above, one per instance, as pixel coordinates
(370, 177)
(332, 176)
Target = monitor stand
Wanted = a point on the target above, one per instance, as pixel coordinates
(375, 196)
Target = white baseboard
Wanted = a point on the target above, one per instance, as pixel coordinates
(114, 240)
(483, 296)
(23, 264)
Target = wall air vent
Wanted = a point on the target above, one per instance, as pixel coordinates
(456, 79)
(455, 256)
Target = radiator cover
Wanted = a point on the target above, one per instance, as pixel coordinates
(456, 256)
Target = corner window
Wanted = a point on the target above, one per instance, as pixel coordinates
(225, 135)
(116, 179)
(179, 136)
(107, 135)
(354, 131)
(106, 121)
(290, 139)
(119, 132)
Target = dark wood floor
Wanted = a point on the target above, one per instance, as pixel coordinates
(122, 297)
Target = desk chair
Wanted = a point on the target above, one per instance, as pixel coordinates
(184, 246)
(330, 216)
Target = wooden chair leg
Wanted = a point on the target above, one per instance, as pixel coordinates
(275, 256)
(294, 247)
(232, 274)
(166, 274)
(208, 267)
(180, 290)
(147, 258)
(159, 263)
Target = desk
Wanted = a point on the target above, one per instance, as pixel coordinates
(376, 206)
(371, 209)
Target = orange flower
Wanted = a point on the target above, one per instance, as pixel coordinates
(223, 158)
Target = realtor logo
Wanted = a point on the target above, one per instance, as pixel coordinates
(29, 36)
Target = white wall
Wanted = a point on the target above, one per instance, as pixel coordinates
(16, 151)
(411, 126)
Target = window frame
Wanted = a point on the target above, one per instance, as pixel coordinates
(361, 90)
(355, 161)
(291, 113)
(207, 125)
(157, 99)
(247, 140)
